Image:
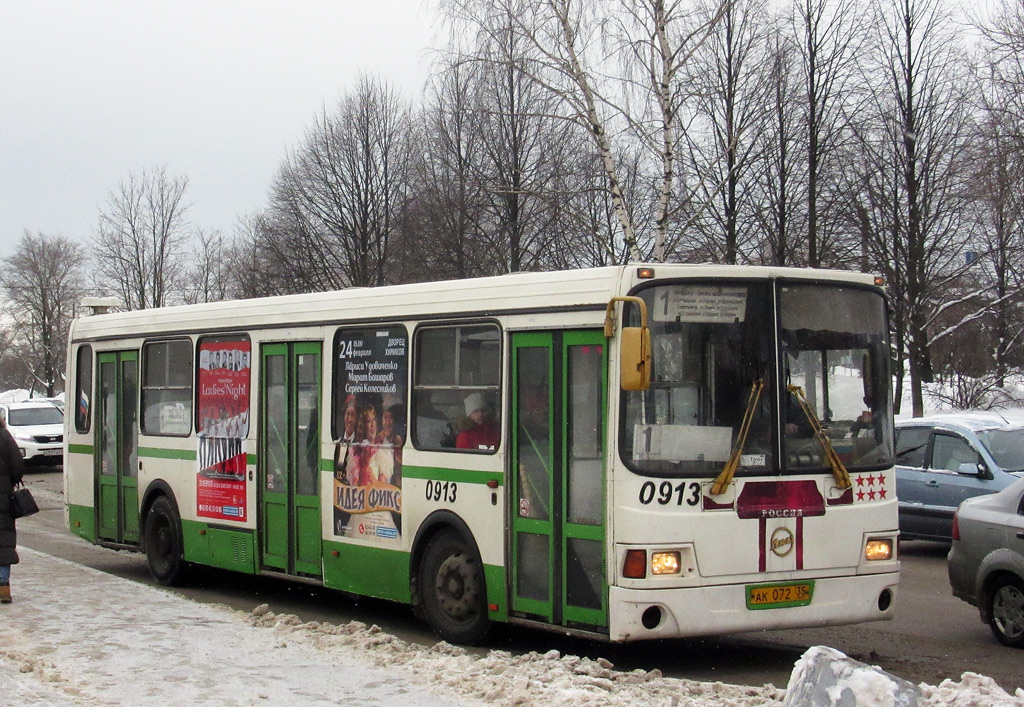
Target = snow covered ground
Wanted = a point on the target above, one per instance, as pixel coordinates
(78, 636)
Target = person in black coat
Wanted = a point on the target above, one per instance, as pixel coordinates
(11, 469)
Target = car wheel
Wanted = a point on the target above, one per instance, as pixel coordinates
(1006, 609)
(164, 548)
(452, 590)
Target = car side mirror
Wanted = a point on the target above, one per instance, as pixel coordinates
(971, 469)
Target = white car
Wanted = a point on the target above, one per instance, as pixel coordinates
(38, 428)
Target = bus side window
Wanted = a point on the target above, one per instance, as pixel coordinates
(83, 388)
(456, 387)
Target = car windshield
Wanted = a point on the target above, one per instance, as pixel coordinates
(26, 417)
(1006, 447)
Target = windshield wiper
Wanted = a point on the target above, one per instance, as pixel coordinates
(723, 480)
(838, 469)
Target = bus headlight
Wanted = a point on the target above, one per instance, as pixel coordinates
(665, 562)
(878, 549)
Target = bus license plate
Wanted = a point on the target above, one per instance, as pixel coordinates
(779, 596)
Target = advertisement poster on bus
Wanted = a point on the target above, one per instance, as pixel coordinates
(370, 400)
(223, 404)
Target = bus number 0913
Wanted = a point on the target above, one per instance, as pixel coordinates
(664, 492)
(443, 491)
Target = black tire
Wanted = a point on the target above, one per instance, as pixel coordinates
(1006, 611)
(165, 553)
(452, 590)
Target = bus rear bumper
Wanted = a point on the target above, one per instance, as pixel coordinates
(640, 614)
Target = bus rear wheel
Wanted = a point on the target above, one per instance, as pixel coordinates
(452, 590)
(164, 548)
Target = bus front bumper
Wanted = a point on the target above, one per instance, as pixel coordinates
(640, 614)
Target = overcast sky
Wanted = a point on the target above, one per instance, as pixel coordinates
(216, 90)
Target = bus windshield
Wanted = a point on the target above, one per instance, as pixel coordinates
(780, 375)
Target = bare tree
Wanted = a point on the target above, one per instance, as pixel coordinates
(914, 202)
(526, 149)
(337, 200)
(259, 270)
(1003, 42)
(779, 182)
(576, 47)
(42, 283)
(443, 231)
(141, 238)
(732, 89)
(998, 187)
(212, 269)
(831, 35)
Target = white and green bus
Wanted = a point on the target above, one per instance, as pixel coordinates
(603, 452)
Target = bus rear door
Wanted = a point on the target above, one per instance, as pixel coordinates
(117, 457)
(558, 445)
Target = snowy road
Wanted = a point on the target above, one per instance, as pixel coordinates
(78, 636)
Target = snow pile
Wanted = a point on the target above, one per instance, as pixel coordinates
(824, 676)
(971, 691)
(14, 396)
(500, 678)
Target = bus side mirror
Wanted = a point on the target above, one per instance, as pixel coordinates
(635, 358)
(634, 345)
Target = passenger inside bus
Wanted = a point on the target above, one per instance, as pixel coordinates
(534, 449)
(433, 429)
(483, 432)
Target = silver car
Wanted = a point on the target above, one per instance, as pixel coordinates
(986, 562)
(943, 459)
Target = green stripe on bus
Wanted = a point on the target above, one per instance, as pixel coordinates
(462, 476)
(160, 453)
(80, 449)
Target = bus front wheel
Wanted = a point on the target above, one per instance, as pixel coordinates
(452, 590)
(164, 548)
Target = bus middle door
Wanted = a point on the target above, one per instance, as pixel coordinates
(289, 459)
(558, 443)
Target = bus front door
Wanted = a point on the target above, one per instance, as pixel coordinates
(558, 444)
(289, 459)
(117, 458)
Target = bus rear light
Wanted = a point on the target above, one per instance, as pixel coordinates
(635, 564)
(665, 563)
(878, 549)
